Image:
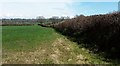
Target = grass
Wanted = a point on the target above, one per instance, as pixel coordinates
(40, 45)
(25, 37)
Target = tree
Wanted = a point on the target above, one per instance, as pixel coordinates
(40, 19)
(54, 19)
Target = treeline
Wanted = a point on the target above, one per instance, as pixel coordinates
(6, 22)
(99, 33)
(39, 20)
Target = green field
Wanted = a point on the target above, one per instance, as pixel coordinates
(40, 45)
(24, 38)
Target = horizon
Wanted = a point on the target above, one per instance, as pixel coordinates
(29, 10)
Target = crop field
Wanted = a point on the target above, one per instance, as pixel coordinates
(41, 45)
(21, 38)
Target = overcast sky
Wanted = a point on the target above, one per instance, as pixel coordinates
(48, 8)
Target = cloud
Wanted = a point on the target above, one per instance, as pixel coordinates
(68, 1)
(11, 15)
(34, 9)
(47, 8)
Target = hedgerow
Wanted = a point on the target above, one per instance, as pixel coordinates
(101, 33)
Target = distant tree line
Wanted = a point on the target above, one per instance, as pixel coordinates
(18, 21)
(39, 20)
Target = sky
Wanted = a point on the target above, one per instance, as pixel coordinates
(49, 8)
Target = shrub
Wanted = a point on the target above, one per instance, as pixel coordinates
(99, 32)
